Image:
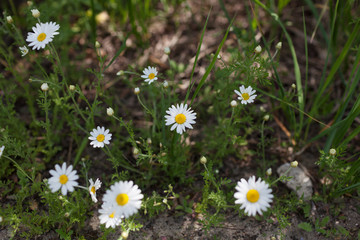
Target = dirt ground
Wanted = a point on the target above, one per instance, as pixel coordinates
(182, 40)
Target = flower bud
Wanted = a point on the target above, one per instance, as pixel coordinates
(9, 19)
(258, 49)
(294, 164)
(136, 151)
(269, 172)
(125, 234)
(35, 13)
(149, 141)
(262, 109)
(119, 73)
(66, 214)
(165, 84)
(110, 112)
(293, 86)
(233, 103)
(137, 91)
(44, 87)
(332, 152)
(203, 160)
(29, 3)
(167, 50)
(97, 44)
(71, 87)
(278, 45)
(266, 117)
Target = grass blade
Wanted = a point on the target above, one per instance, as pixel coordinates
(210, 67)
(196, 58)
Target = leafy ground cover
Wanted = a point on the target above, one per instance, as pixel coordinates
(301, 60)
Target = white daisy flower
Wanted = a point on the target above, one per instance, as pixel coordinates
(107, 217)
(93, 187)
(124, 197)
(181, 116)
(100, 137)
(2, 150)
(42, 35)
(246, 95)
(64, 178)
(254, 196)
(150, 74)
(24, 50)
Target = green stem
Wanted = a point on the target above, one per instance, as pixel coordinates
(121, 164)
(146, 109)
(18, 167)
(278, 179)
(263, 144)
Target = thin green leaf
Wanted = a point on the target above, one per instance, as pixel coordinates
(196, 58)
(209, 68)
(123, 46)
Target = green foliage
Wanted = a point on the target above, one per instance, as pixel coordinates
(42, 128)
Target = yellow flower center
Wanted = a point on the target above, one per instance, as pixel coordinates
(245, 96)
(180, 118)
(252, 196)
(41, 37)
(93, 189)
(112, 215)
(63, 179)
(100, 138)
(151, 76)
(122, 199)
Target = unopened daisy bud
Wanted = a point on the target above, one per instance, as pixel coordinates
(1, 219)
(136, 151)
(35, 13)
(266, 117)
(110, 112)
(332, 152)
(66, 214)
(165, 84)
(160, 145)
(9, 19)
(269, 172)
(125, 234)
(72, 88)
(29, 3)
(137, 91)
(165, 200)
(233, 103)
(97, 44)
(167, 50)
(119, 73)
(293, 86)
(44, 87)
(273, 238)
(149, 141)
(218, 56)
(258, 49)
(203, 160)
(278, 45)
(262, 109)
(294, 164)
